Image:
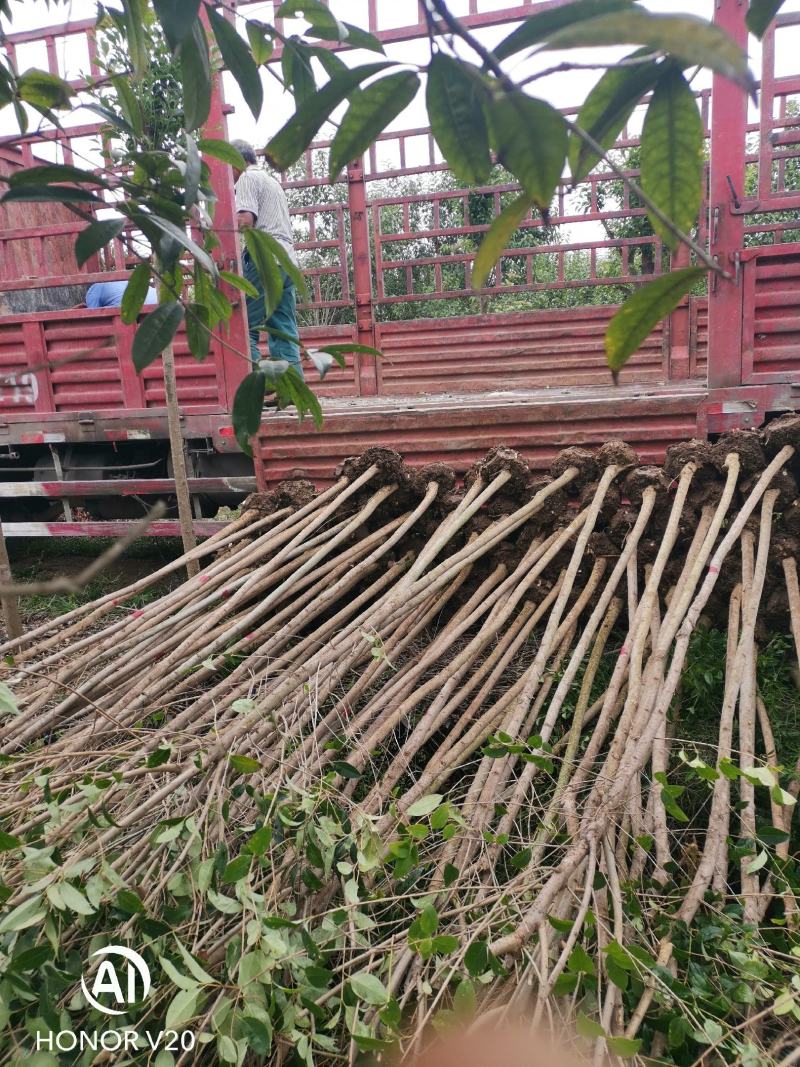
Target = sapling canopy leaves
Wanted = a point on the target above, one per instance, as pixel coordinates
(455, 98)
(155, 332)
(672, 160)
(96, 236)
(238, 60)
(761, 14)
(370, 110)
(640, 313)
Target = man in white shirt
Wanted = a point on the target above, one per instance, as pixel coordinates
(261, 203)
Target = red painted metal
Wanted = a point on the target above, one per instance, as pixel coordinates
(119, 528)
(124, 487)
(380, 254)
(459, 429)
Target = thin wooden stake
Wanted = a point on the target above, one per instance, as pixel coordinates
(10, 604)
(179, 460)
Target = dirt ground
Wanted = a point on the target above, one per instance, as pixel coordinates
(37, 560)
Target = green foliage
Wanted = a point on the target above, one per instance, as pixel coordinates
(537, 158)
(153, 111)
(608, 107)
(672, 155)
(456, 99)
(368, 114)
(761, 14)
(156, 332)
(636, 319)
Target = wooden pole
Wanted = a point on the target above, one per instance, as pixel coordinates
(179, 460)
(10, 604)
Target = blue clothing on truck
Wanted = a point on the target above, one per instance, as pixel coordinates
(109, 295)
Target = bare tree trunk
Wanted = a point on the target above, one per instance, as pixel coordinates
(10, 604)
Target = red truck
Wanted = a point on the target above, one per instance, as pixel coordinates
(387, 253)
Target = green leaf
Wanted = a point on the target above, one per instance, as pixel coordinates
(248, 406)
(267, 246)
(195, 70)
(62, 194)
(55, 172)
(44, 91)
(587, 1027)
(540, 27)
(580, 962)
(198, 332)
(465, 1002)
(358, 38)
(445, 944)
(496, 239)
(637, 317)
(455, 99)
(427, 922)
(155, 332)
(322, 362)
(261, 248)
(608, 107)
(691, 40)
(135, 15)
(244, 764)
(261, 45)
(182, 1009)
(771, 835)
(9, 842)
(258, 1034)
(521, 859)
(624, 1046)
(75, 900)
(238, 868)
(130, 902)
(346, 770)
(761, 14)
(530, 138)
(672, 155)
(323, 23)
(370, 112)
(29, 913)
(298, 74)
(31, 960)
(194, 170)
(238, 60)
(760, 776)
(369, 988)
(175, 976)
(117, 121)
(424, 806)
(291, 141)
(340, 349)
(760, 861)
(179, 234)
(618, 975)
(129, 103)
(8, 702)
(210, 146)
(260, 841)
(135, 293)
(476, 958)
(238, 282)
(96, 236)
(177, 18)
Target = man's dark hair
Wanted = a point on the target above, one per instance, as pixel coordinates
(246, 151)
